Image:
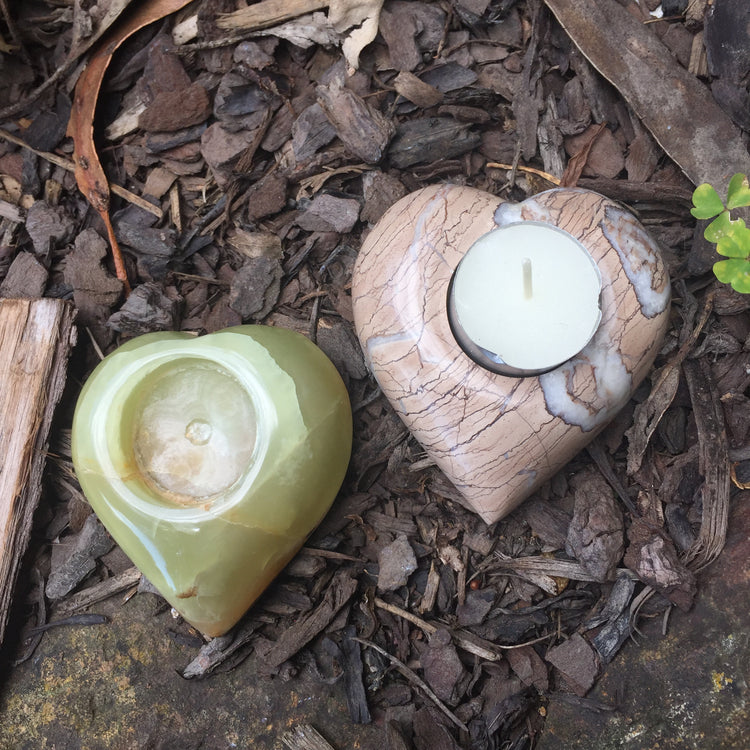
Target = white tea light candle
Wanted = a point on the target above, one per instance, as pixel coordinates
(524, 299)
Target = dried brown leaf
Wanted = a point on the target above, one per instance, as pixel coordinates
(88, 169)
(578, 161)
(652, 555)
(360, 19)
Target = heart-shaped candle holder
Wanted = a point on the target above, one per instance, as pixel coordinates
(499, 429)
(211, 459)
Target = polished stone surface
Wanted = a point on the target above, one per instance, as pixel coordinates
(498, 438)
(211, 459)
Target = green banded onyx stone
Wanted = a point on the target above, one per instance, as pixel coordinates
(211, 459)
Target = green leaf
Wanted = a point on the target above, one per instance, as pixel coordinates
(706, 201)
(735, 272)
(738, 193)
(721, 226)
(741, 236)
(734, 245)
(729, 247)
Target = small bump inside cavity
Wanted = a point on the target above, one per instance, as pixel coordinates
(198, 432)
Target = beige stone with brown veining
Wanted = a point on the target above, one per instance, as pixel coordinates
(498, 438)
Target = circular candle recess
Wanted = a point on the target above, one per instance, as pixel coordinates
(524, 299)
(194, 431)
(211, 459)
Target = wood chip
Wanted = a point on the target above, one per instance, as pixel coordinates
(92, 542)
(408, 27)
(442, 667)
(328, 213)
(255, 288)
(47, 226)
(158, 182)
(529, 667)
(26, 278)
(305, 737)
(430, 140)
(255, 244)
(219, 650)
(577, 662)
(431, 590)
(416, 91)
(339, 591)
(174, 110)
(266, 197)
(356, 695)
(146, 310)
(596, 531)
(362, 129)
(98, 592)
(665, 381)
(714, 464)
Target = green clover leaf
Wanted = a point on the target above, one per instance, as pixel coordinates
(736, 272)
(735, 244)
(738, 193)
(721, 226)
(728, 247)
(706, 201)
(731, 236)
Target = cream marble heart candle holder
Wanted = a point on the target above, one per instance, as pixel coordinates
(498, 437)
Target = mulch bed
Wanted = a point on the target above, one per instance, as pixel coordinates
(264, 161)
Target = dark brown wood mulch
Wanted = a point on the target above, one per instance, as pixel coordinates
(264, 162)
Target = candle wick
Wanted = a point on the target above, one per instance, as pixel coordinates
(528, 290)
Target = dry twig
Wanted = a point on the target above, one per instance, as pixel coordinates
(418, 681)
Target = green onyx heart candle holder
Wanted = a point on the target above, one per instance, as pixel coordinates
(211, 459)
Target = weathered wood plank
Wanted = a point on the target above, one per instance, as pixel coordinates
(36, 337)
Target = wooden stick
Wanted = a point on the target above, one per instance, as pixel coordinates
(305, 737)
(465, 639)
(36, 337)
(268, 13)
(418, 681)
(473, 644)
(98, 592)
(69, 166)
